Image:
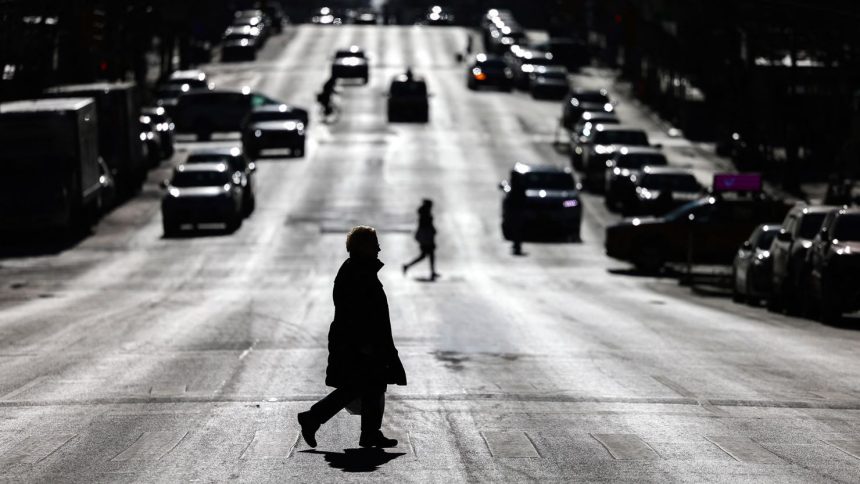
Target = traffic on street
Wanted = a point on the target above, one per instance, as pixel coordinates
(630, 266)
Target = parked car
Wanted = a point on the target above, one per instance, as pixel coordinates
(217, 111)
(151, 142)
(489, 71)
(660, 189)
(539, 201)
(525, 62)
(238, 163)
(600, 146)
(589, 119)
(833, 285)
(201, 193)
(789, 250)
(581, 100)
(549, 82)
(408, 100)
(569, 52)
(751, 269)
(239, 50)
(622, 171)
(250, 33)
(350, 63)
(164, 128)
(704, 231)
(275, 126)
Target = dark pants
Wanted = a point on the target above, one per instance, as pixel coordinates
(372, 405)
(426, 251)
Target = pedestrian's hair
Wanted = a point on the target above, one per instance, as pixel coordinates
(360, 235)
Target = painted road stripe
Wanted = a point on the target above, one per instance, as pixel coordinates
(33, 449)
(167, 390)
(626, 446)
(850, 447)
(509, 444)
(271, 445)
(744, 449)
(151, 446)
(23, 388)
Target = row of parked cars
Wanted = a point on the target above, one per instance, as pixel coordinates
(249, 31)
(808, 265)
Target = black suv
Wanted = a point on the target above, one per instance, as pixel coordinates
(220, 110)
(540, 201)
(834, 265)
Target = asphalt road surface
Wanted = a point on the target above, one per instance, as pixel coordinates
(130, 357)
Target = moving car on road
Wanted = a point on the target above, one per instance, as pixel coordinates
(350, 63)
(239, 50)
(217, 111)
(525, 62)
(833, 285)
(489, 71)
(660, 189)
(202, 193)
(788, 252)
(273, 127)
(540, 201)
(243, 169)
(581, 100)
(751, 270)
(408, 100)
(549, 82)
(624, 168)
(164, 128)
(705, 231)
(600, 146)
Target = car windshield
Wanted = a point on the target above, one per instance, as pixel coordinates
(234, 161)
(631, 138)
(636, 162)
(548, 181)
(670, 181)
(408, 89)
(188, 179)
(766, 238)
(847, 227)
(810, 223)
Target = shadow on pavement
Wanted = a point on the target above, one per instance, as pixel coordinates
(357, 460)
(38, 244)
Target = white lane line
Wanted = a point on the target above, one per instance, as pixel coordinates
(626, 446)
(23, 388)
(168, 390)
(505, 443)
(151, 446)
(270, 445)
(744, 449)
(684, 392)
(33, 449)
(850, 447)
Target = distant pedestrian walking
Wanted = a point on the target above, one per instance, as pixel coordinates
(362, 357)
(426, 238)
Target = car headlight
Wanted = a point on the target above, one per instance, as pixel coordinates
(173, 192)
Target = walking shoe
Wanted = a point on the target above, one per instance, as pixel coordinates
(376, 439)
(309, 428)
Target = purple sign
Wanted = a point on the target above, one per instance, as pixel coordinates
(737, 182)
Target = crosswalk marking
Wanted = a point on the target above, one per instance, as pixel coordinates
(850, 447)
(744, 449)
(151, 446)
(271, 445)
(626, 446)
(504, 443)
(33, 449)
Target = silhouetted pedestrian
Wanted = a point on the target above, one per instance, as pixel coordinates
(362, 358)
(426, 238)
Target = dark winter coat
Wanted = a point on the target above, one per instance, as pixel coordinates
(426, 233)
(361, 348)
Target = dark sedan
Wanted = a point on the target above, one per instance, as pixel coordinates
(489, 71)
(751, 270)
(626, 164)
(660, 189)
(833, 285)
(202, 193)
(241, 166)
(164, 128)
(549, 82)
(350, 63)
(540, 201)
(581, 100)
(599, 146)
(408, 100)
(705, 231)
(275, 127)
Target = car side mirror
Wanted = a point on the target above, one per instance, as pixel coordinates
(164, 184)
(747, 245)
(783, 236)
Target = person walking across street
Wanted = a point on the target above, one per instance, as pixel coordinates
(362, 358)
(426, 238)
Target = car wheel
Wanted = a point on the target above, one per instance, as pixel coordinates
(750, 295)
